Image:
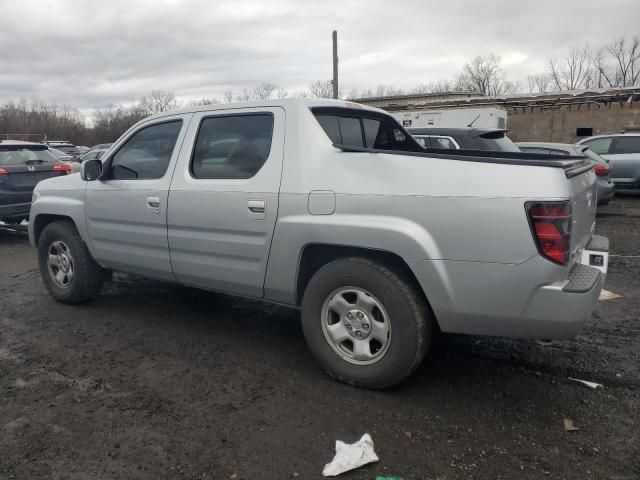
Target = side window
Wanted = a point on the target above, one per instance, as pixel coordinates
(232, 146)
(351, 131)
(599, 145)
(629, 144)
(423, 141)
(363, 129)
(147, 153)
(329, 124)
(376, 134)
(442, 142)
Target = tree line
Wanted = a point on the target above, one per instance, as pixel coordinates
(615, 64)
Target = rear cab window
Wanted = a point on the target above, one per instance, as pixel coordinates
(364, 129)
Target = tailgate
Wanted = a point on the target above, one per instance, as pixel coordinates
(583, 207)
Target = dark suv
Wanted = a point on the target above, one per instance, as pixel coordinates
(465, 138)
(22, 166)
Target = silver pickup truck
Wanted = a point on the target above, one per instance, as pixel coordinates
(332, 207)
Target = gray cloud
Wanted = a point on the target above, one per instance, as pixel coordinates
(89, 54)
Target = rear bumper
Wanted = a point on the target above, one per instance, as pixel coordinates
(560, 311)
(535, 299)
(605, 192)
(16, 210)
(626, 183)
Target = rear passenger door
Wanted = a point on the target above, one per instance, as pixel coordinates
(223, 201)
(126, 209)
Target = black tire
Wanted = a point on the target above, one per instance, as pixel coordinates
(88, 276)
(410, 319)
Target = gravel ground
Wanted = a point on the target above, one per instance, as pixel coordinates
(159, 381)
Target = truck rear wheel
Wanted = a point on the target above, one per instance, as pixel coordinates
(364, 323)
(68, 270)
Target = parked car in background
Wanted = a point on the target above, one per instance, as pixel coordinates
(62, 156)
(623, 151)
(350, 221)
(605, 188)
(82, 149)
(100, 146)
(66, 147)
(22, 166)
(466, 138)
(93, 154)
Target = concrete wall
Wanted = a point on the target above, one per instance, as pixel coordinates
(558, 124)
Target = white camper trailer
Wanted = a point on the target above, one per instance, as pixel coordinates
(481, 117)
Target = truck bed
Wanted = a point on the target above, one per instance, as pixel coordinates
(571, 165)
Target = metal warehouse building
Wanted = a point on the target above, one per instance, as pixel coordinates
(551, 117)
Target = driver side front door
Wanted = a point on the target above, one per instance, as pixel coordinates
(126, 210)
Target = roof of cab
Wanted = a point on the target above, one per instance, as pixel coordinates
(276, 102)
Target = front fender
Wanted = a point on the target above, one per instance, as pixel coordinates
(71, 206)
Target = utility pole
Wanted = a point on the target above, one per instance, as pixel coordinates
(335, 64)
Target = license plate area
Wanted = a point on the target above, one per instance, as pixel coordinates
(595, 259)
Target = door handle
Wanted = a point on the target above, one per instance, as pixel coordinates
(256, 206)
(153, 202)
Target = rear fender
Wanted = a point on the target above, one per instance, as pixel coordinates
(293, 233)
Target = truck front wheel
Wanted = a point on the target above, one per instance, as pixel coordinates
(68, 270)
(364, 323)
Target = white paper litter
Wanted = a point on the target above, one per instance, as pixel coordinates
(607, 295)
(350, 457)
(593, 385)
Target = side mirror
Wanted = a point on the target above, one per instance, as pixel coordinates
(91, 170)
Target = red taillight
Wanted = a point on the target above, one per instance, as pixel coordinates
(551, 223)
(62, 167)
(3, 172)
(601, 170)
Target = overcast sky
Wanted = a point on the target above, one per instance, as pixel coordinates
(89, 53)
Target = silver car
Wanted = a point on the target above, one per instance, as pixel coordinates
(334, 208)
(623, 151)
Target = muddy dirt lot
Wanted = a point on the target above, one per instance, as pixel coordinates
(158, 381)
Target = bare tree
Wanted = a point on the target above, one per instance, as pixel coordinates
(301, 93)
(245, 96)
(539, 83)
(158, 101)
(204, 101)
(484, 75)
(618, 63)
(439, 86)
(321, 89)
(574, 72)
(113, 120)
(264, 91)
(281, 93)
(228, 96)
